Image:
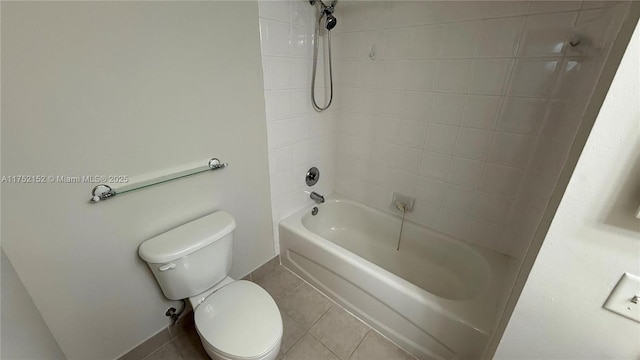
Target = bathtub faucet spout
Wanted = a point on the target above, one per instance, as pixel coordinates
(319, 199)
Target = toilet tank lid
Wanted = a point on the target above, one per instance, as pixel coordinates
(187, 238)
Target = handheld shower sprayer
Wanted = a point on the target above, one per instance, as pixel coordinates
(330, 22)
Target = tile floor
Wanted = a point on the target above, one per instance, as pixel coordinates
(315, 328)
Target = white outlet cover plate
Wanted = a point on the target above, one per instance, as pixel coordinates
(619, 300)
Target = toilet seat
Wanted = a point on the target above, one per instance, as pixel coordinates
(239, 321)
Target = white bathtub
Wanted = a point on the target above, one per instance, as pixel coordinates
(436, 297)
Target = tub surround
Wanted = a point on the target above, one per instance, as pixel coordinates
(469, 106)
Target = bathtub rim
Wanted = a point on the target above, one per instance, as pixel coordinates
(460, 311)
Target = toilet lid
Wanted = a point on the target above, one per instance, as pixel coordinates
(241, 319)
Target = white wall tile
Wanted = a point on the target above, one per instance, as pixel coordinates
(501, 180)
(405, 183)
(300, 127)
(453, 75)
(469, 56)
(301, 41)
(547, 35)
(561, 121)
(387, 129)
(533, 77)
(369, 40)
(553, 6)
(416, 105)
(572, 76)
(466, 172)
(403, 13)
(408, 159)
(522, 115)
(368, 73)
(430, 191)
(280, 160)
(301, 153)
(499, 37)
(352, 76)
(463, 10)
(459, 39)
(511, 149)
(384, 175)
(426, 42)
(280, 133)
(300, 102)
(447, 108)
(387, 102)
(453, 223)
(435, 165)
(459, 199)
(392, 74)
(384, 154)
(281, 184)
(276, 72)
(490, 76)
(481, 111)
(495, 9)
(492, 208)
(412, 133)
(424, 213)
(276, 10)
(484, 233)
(441, 138)
(396, 43)
(301, 13)
(420, 75)
(300, 74)
(278, 104)
(473, 143)
(275, 38)
(349, 46)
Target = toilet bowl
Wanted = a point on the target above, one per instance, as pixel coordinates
(236, 320)
(239, 321)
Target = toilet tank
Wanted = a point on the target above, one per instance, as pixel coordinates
(192, 257)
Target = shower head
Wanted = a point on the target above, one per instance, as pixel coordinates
(331, 21)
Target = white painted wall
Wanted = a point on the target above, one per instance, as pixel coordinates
(25, 334)
(592, 241)
(126, 88)
(298, 136)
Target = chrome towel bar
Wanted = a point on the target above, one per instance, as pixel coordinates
(105, 192)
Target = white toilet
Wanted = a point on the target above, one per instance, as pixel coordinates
(236, 320)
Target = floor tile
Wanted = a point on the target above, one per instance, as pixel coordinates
(305, 305)
(339, 331)
(146, 348)
(376, 347)
(186, 322)
(292, 332)
(266, 269)
(279, 282)
(168, 352)
(190, 345)
(308, 348)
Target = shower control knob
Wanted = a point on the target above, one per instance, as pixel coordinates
(313, 175)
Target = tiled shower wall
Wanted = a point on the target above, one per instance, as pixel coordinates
(298, 137)
(470, 107)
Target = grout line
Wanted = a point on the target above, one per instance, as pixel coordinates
(360, 342)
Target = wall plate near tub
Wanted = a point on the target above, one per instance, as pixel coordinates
(401, 199)
(625, 298)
